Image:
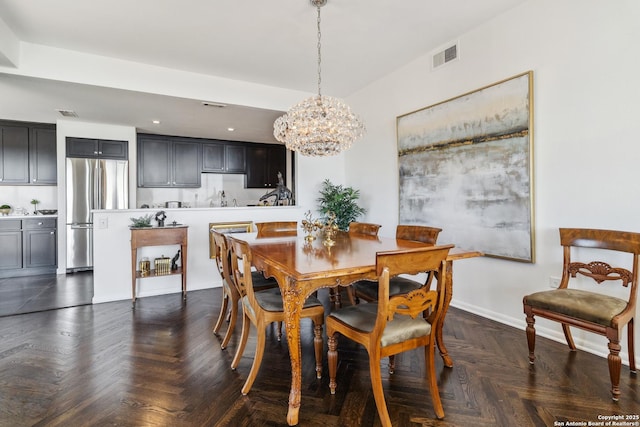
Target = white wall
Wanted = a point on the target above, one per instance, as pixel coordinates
(586, 127)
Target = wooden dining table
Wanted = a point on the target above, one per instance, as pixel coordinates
(302, 266)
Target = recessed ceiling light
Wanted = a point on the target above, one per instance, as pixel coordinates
(231, 129)
(156, 122)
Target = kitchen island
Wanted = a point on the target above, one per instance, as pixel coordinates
(112, 270)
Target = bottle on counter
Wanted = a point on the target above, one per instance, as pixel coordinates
(223, 199)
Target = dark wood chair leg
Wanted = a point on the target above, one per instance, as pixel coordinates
(332, 357)
(531, 337)
(568, 337)
(318, 345)
(632, 356)
(392, 364)
(223, 312)
(615, 365)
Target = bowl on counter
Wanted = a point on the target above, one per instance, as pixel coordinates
(5, 211)
(47, 211)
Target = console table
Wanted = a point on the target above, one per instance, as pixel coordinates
(158, 236)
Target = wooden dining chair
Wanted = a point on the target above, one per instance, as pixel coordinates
(367, 290)
(598, 311)
(395, 323)
(263, 308)
(230, 294)
(277, 228)
(367, 228)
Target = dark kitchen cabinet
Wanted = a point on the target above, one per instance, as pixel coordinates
(39, 243)
(264, 161)
(97, 148)
(14, 154)
(42, 156)
(168, 162)
(28, 247)
(10, 245)
(223, 157)
(27, 153)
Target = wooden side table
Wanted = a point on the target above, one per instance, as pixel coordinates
(158, 236)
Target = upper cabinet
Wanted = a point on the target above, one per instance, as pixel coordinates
(42, 156)
(27, 154)
(223, 157)
(97, 148)
(264, 161)
(168, 162)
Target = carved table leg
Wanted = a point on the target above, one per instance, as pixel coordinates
(448, 287)
(293, 302)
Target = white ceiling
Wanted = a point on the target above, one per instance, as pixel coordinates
(267, 42)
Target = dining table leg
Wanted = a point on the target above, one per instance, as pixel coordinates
(293, 302)
(448, 295)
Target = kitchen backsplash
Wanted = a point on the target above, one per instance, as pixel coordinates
(20, 196)
(208, 195)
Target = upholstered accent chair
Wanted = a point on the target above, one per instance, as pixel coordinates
(230, 295)
(367, 290)
(394, 324)
(277, 228)
(263, 308)
(600, 311)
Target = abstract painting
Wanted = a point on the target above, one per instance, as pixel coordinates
(465, 166)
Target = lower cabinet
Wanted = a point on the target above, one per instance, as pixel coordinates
(28, 247)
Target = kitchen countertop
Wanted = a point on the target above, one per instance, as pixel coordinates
(26, 216)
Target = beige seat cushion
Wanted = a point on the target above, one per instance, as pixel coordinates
(590, 306)
(363, 317)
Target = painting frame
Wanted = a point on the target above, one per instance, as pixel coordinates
(466, 165)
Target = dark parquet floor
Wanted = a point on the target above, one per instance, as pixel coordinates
(46, 292)
(160, 365)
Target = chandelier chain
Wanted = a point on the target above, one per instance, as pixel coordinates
(318, 125)
(319, 54)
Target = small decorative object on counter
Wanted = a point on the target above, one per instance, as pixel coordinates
(160, 217)
(35, 202)
(162, 265)
(310, 225)
(174, 261)
(5, 210)
(142, 222)
(283, 196)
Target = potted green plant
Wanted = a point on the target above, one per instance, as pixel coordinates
(342, 201)
(35, 202)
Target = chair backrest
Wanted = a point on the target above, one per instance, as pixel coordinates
(416, 302)
(222, 257)
(277, 228)
(364, 228)
(241, 268)
(601, 272)
(418, 233)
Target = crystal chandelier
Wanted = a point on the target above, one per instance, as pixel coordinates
(320, 125)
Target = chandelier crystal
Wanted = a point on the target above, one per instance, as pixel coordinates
(319, 125)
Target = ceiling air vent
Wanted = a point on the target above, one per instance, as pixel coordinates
(67, 113)
(213, 104)
(445, 56)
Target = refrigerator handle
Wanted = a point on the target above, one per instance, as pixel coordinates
(96, 186)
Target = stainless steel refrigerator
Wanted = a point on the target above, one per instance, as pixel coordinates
(91, 184)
